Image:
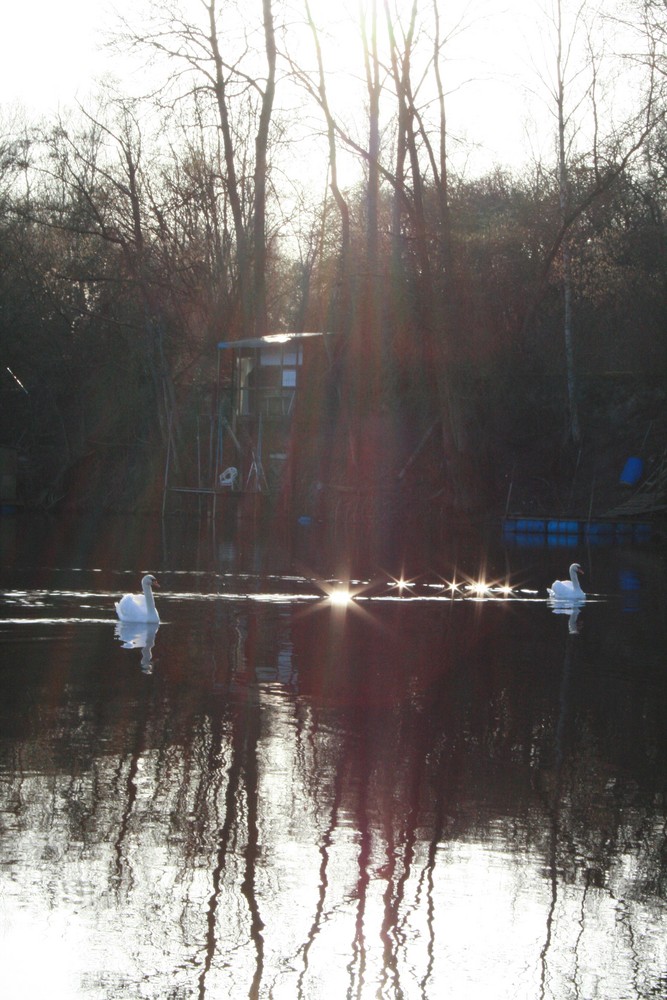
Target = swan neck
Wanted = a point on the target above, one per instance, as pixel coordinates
(148, 594)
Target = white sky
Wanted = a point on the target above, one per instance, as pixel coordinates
(48, 50)
(52, 50)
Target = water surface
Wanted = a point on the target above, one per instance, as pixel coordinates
(439, 789)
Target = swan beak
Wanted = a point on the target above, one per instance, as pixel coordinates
(155, 584)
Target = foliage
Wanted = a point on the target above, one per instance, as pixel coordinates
(129, 234)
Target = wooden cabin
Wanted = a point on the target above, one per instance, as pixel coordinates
(267, 372)
(259, 384)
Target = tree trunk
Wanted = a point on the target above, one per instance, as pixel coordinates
(570, 371)
(261, 146)
(367, 361)
(340, 301)
(233, 190)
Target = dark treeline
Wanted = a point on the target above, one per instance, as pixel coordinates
(509, 314)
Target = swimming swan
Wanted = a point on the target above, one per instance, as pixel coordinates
(139, 607)
(568, 590)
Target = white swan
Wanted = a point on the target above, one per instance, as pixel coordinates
(139, 607)
(568, 590)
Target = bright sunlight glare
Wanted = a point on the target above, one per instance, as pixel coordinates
(400, 584)
(473, 588)
(340, 597)
(343, 594)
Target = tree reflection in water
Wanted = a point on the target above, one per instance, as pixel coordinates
(410, 799)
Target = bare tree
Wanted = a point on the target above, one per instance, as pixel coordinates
(574, 91)
(560, 86)
(242, 83)
(319, 91)
(370, 313)
(97, 191)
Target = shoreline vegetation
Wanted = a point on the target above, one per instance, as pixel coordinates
(499, 340)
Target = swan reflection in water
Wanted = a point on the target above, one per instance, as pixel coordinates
(572, 609)
(139, 635)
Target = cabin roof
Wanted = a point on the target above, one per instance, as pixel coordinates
(270, 340)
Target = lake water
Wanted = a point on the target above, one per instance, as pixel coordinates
(429, 791)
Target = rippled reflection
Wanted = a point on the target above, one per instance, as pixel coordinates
(428, 796)
(139, 635)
